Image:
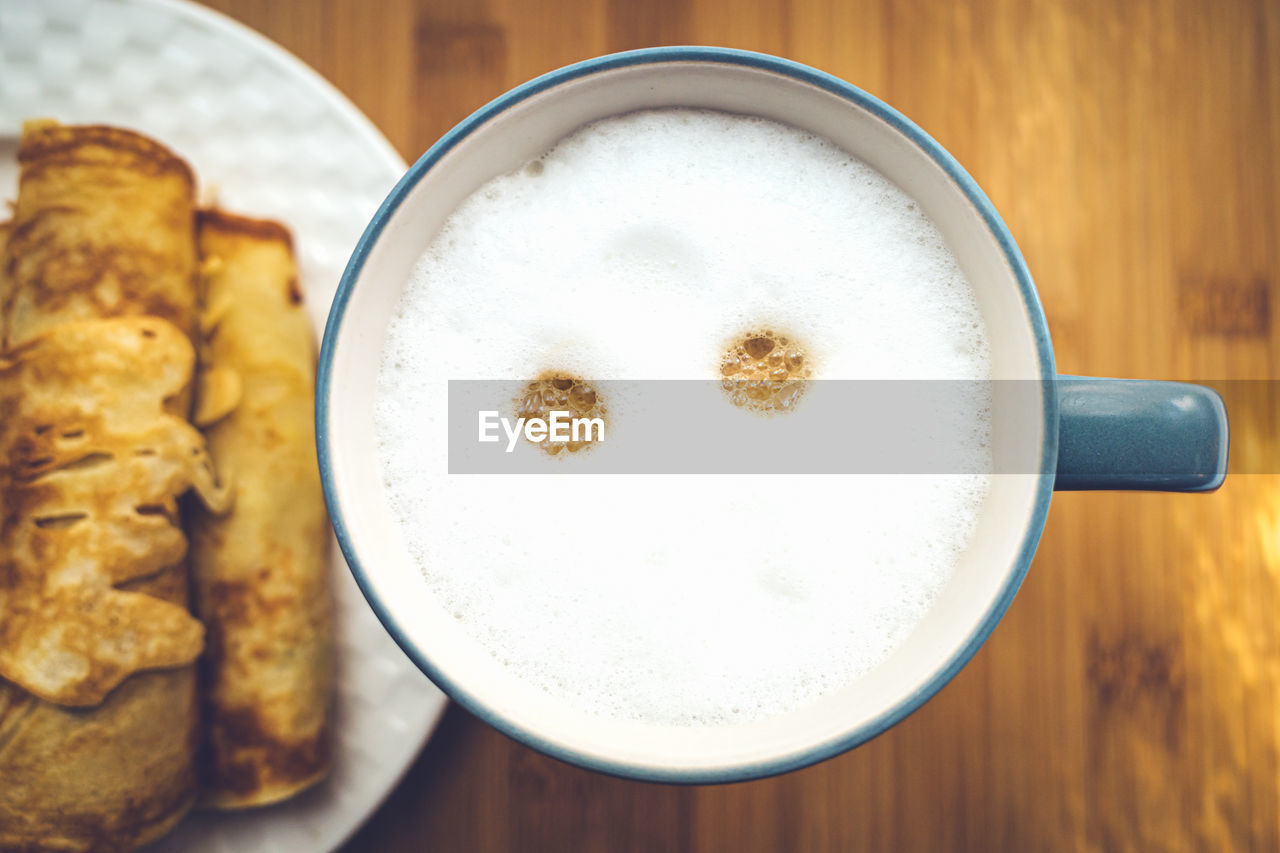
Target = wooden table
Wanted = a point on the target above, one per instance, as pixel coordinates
(1130, 699)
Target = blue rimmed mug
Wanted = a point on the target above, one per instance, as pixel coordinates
(1080, 433)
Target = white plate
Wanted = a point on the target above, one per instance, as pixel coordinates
(272, 139)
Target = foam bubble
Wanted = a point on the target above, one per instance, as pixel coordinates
(764, 372)
(683, 600)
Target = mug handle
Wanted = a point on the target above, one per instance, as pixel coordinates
(1139, 434)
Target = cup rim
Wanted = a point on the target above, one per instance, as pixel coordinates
(948, 668)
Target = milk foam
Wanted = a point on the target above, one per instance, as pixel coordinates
(635, 249)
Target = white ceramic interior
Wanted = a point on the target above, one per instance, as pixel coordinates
(959, 620)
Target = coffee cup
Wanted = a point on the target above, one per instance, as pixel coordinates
(1080, 433)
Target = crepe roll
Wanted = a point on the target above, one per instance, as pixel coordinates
(103, 226)
(98, 713)
(261, 572)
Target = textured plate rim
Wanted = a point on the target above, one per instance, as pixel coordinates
(230, 27)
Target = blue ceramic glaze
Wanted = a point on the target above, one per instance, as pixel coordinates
(1137, 434)
(1102, 443)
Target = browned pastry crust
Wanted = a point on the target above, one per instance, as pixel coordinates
(261, 572)
(92, 467)
(103, 226)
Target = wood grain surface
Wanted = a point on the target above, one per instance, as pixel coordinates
(1130, 699)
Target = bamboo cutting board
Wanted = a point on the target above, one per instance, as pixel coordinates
(1130, 699)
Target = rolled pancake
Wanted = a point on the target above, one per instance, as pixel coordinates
(103, 226)
(261, 572)
(92, 461)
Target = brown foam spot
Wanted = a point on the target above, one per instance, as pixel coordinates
(764, 371)
(556, 391)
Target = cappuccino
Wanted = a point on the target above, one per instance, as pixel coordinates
(672, 245)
